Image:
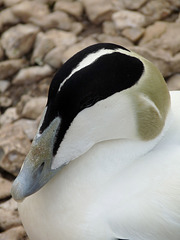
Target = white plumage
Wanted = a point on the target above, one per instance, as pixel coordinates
(119, 185)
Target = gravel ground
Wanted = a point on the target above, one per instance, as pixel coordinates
(34, 44)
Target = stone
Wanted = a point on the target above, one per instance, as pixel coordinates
(34, 107)
(77, 27)
(73, 8)
(4, 84)
(61, 39)
(174, 62)
(125, 18)
(20, 105)
(14, 146)
(29, 127)
(98, 11)
(77, 47)
(5, 101)
(10, 3)
(154, 31)
(10, 67)
(42, 46)
(18, 40)
(26, 10)
(15, 233)
(54, 57)
(133, 34)
(168, 41)
(5, 186)
(9, 215)
(57, 19)
(156, 10)
(109, 28)
(7, 18)
(9, 116)
(174, 82)
(114, 39)
(32, 74)
(133, 5)
(1, 52)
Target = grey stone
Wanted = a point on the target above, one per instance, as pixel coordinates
(61, 39)
(15, 233)
(98, 11)
(133, 5)
(43, 45)
(125, 18)
(9, 215)
(32, 74)
(4, 84)
(5, 187)
(10, 67)
(26, 10)
(73, 8)
(54, 57)
(18, 40)
(34, 107)
(174, 82)
(57, 19)
(9, 116)
(14, 146)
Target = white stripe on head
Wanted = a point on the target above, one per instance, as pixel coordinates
(88, 60)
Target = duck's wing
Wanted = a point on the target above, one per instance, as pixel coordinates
(146, 202)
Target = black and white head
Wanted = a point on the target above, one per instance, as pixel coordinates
(103, 92)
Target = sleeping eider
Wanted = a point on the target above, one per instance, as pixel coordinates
(105, 163)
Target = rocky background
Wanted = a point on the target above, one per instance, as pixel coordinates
(37, 37)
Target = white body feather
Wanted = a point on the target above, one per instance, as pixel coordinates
(118, 189)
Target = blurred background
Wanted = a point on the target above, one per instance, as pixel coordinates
(37, 37)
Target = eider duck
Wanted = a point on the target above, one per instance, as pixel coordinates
(105, 163)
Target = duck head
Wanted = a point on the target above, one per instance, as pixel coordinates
(104, 92)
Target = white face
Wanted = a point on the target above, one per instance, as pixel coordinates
(89, 102)
(112, 118)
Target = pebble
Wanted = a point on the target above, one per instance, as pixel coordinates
(14, 146)
(26, 10)
(8, 18)
(42, 46)
(134, 5)
(174, 82)
(18, 41)
(15, 233)
(10, 67)
(1, 52)
(5, 186)
(125, 18)
(9, 215)
(4, 84)
(29, 127)
(98, 11)
(156, 10)
(9, 116)
(133, 34)
(73, 8)
(54, 57)
(5, 101)
(32, 74)
(57, 19)
(154, 31)
(34, 107)
(61, 39)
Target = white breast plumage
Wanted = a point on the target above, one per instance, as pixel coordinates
(105, 162)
